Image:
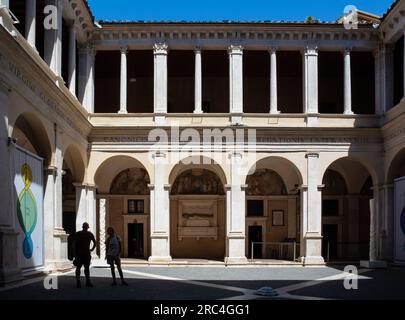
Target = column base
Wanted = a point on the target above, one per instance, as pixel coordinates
(198, 112)
(8, 276)
(9, 265)
(160, 260)
(160, 120)
(313, 261)
(123, 112)
(373, 264)
(274, 112)
(312, 119)
(99, 263)
(236, 120)
(58, 265)
(236, 261)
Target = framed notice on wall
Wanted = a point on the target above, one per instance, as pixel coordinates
(278, 218)
(399, 191)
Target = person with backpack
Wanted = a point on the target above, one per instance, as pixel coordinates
(82, 240)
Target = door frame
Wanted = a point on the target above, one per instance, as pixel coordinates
(140, 219)
(255, 222)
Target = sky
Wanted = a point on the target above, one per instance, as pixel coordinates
(212, 10)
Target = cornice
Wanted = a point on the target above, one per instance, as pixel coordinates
(393, 25)
(22, 64)
(78, 11)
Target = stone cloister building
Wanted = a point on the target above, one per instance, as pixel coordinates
(324, 103)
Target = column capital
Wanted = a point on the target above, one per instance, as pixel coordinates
(87, 49)
(159, 154)
(160, 48)
(311, 49)
(124, 49)
(51, 170)
(273, 49)
(235, 49)
(235, 155)
(197, 49)
(303, 187)
(71, 23)
(347, 50)
(82, 185)
(312, 155)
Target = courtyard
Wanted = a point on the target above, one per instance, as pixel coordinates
(218, 283)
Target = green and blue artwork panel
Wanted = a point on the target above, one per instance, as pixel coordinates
(28, 182)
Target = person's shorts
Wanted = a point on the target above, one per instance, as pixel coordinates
(82, 261)
(112, 260)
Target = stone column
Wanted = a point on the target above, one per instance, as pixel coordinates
(72, 58)
(160, 213)
(60, 236)
(235, 209)
(103, 211)
(273, 81)
(53, 40)
(375, 230)
(160, 51)
(378, 80)
(9, 269)
(123, 81)
(91, 208)
(236, 83)
(292, 217)
(388, 77)
(312, 214)
(292, 224)
(403, 99)
(91, 89)
(389, 222)
(5, 17)
(81, 205)
(347, 82)
(50, 174)
(310, 66)
(86, 77)
(353, 210)
(198, 82)
(30, 21)
(86, 208)
(5, 3)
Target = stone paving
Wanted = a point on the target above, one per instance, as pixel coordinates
(217, 282)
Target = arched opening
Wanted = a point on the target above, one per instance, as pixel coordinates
(273, 210)
(346, 199)
(197, 214)
(124, 204)
(32, 154)
(395, 204)
(73, 175)
(31, 135)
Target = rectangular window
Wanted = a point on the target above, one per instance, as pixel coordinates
(330, 207)
(136, 207)
(255, 208)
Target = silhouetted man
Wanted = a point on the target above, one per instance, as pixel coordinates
(83, 253)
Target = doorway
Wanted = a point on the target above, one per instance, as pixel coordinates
(69, 225)
(255, 235)
(330, 236)
(135, 240)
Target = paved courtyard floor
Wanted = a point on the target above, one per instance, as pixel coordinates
(216, 283)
